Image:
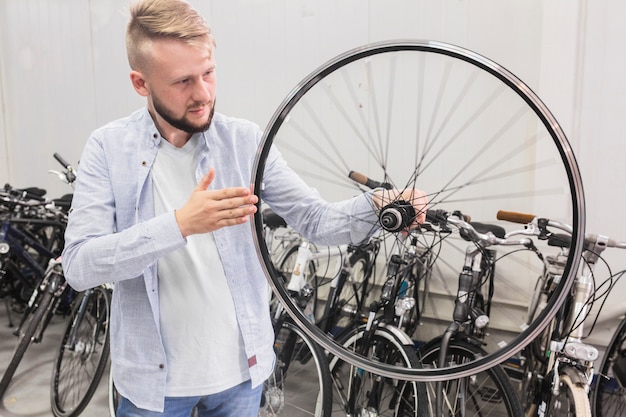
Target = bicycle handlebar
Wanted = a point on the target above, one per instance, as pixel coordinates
(515, 217)
(533, 223)
(62, 161)
(368, 182)
(68, 175)
(488, 238)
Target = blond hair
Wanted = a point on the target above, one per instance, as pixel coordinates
(157, 19)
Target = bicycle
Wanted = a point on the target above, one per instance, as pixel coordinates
(340, 278)
(26, 240)
(489, 391)
(558, 366)
(296, 259)
(608, 394)
(433, 116)
(31, 233)
(381, 340)
(357, 392)
(83, 353)
(300, 381)
(43, 305)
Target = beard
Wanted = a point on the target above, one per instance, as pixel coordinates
(182, 123)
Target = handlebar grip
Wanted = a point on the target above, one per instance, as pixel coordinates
(368, 182)
(61, 160)
(515, 217)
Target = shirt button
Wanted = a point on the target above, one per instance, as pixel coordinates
(161, 366)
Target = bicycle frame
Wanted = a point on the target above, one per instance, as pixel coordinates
(17, 239)
(566, 352)
(298, 285)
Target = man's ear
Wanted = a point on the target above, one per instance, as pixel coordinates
(139, 83)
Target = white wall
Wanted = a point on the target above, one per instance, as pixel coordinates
(63, 71)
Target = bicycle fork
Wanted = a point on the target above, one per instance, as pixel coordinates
(464, 314)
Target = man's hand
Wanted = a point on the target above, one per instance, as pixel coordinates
(417, 198)
(209, 210)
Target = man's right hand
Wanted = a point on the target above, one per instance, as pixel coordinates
(209, 210)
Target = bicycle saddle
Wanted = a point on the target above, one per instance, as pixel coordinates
(273, 220)
(483, 228)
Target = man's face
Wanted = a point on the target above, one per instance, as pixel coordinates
(180, 85)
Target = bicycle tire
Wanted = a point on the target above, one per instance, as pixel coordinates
(113, 397)
(571, 401)
(25, 339)
(377, 395)
(608, 395)
(429, 115)
(301, 383)
(488, 392)
(79, 366)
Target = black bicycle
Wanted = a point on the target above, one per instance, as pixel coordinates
(31, 233)
(608, 394)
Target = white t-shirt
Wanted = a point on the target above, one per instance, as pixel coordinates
(202, 341)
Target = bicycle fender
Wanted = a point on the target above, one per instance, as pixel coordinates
(397, 332)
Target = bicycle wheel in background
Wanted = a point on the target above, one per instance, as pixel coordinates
(114, 396)
(83, 355)
(361, 393)
(572, 399)
(437, 117)
(484, 393)
(300, 384)
(608, 395)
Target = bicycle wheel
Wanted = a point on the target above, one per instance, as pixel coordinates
(83, 354)
(300, 384)
(360, 393)
(114, 396)
(485, 393)
(571, 401)
(25, 337)
(437, 117)
(608, 396)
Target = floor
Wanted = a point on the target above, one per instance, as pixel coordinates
(29, 392)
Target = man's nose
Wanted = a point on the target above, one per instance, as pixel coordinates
(202, 91)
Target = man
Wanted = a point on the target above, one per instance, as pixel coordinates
(161, 206)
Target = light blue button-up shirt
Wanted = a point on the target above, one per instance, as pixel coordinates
(113, 235)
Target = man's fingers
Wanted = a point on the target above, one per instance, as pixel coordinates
(234, 197)
(205, 181)
(236, 215)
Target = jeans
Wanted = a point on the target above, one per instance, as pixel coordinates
(239, 401)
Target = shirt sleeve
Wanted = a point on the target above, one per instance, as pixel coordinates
(97, 249)
(352, 220)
